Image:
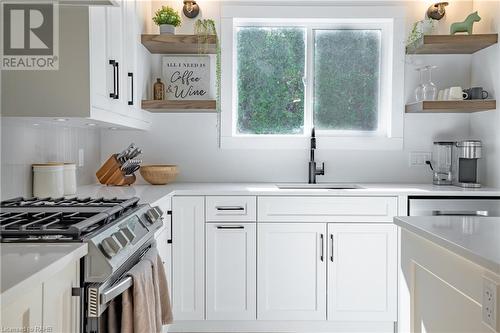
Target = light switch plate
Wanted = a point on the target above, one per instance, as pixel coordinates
(418, 158)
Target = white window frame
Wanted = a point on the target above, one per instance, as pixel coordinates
(389, 19)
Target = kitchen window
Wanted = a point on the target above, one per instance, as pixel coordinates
(288, 74)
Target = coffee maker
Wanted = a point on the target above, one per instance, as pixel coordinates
(465, 164)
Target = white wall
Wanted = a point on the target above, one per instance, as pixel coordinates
(486, 73)
(190, 140)
(23, 144)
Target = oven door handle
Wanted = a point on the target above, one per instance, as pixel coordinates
(117, 289)
(460, 213)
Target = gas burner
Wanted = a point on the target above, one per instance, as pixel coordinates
(59, 218)
(66, 202)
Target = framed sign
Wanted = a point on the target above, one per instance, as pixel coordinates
(187, 77)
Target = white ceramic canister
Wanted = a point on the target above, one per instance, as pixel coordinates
(69, 178)
(48, 180)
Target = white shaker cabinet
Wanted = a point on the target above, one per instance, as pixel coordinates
(362, 272)
(48, 304)
(163, 239)
(188, 257)
(101, 71)
(231, 271)
(25, 312)
(91, 83)
(61, 310)
(291, 271)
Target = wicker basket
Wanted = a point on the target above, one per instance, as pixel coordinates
(159, 174)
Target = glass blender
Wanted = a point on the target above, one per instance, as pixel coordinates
(441, 163)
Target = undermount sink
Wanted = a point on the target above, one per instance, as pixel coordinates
(324, 186)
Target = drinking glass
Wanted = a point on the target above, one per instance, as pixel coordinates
(429, 88)
(419, 90)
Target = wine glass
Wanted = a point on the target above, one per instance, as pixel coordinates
(419, 90)
(429, 88)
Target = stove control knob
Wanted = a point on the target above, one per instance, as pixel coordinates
(120, 236)
(128, 233)
(154, 214)
(110, 246)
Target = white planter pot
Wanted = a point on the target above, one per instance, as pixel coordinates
(167, 29)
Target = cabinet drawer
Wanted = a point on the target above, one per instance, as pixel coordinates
(327, 209)
(231, 208)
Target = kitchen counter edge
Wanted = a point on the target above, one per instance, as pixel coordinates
(433, 228)
(16, 281)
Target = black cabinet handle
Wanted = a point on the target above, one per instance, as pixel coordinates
(117, 80)
(131, 76)
(230, 227)
(169, 212)
(322, 247)
(113, 94)
(331, 253)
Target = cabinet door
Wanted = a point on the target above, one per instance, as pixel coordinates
(101, 72)
(362, 272)
(131, 36)
(25, 312)
(60, 308)
(115, 47)
(231, 271)
(165, 250)
(291, 271)
(188, 252)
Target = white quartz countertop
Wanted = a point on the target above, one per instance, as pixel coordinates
(25, 265)
(474, 238)
(151, 194)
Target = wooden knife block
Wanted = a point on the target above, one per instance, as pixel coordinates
(110, 173)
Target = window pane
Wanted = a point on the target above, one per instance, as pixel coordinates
(270, 68)
(346, 79)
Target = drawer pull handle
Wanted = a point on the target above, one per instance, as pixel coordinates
(230, 227)
(230, 208)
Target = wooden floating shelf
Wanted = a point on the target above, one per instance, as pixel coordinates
(467, 106)
(179, 44)
(171, 106)
(451, 44)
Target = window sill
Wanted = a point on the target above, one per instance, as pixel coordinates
(302, 142)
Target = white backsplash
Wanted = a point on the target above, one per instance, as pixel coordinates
(23, 144)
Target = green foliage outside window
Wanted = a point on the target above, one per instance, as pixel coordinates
(270, 66)
(346, 79)
(270, 72)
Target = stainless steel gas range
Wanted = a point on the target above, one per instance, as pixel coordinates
(118, 232)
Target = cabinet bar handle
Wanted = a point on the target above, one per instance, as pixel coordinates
(331, 253)
(113, 94)
(117, 80)
(230, 227)
(322, 247)
(131, 76)
(169, 241)
(222, 208)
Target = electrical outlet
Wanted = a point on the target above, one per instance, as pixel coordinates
(418, 158)
(489, 305)
(81, 157)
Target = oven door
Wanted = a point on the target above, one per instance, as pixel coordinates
(99, 295)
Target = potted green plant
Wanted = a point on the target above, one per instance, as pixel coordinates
(167, 19)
